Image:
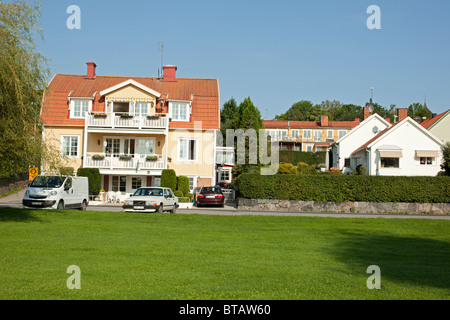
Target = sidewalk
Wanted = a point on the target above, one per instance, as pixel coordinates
(15, 198)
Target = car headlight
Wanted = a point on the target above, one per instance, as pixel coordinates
(53, 193)
(27, 193)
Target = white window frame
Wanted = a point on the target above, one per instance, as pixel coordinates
(72, 108)
(341, 133)
(307, 136)
(221, 170)
(319, 133)
(176, 116)
(328, 134)
(187, 155)
(295, 133)
(70, 145)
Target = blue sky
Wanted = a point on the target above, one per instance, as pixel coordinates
(276, 52)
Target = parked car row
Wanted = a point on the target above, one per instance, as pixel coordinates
(61, 192)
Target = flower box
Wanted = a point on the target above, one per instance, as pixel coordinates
(100, 115)
(126, 116)
(98, 157)
(152, 158)
(153, 117)
(125, 157)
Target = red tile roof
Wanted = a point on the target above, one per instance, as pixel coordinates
(427, 123)
(205, 103)
(283, 124)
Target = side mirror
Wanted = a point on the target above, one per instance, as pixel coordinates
(66, 187)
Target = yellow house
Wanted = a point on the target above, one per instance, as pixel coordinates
(438, 125)
(308, 136)
(131, 128)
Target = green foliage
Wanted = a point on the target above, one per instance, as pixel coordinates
(23, 77)
(66, 171)
(183, 184)
(94, 177)
(295, 157)
(189, 195)
(287, 168)
(178, 193)
(446, 158)
(361, 170)
(169, 179)
(304, 168)
(344, 188)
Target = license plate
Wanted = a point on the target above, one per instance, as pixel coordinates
(36, 203)
(210, 196)
(139, 207)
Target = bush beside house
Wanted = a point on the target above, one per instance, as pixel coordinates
(345, 188)
(95, 180)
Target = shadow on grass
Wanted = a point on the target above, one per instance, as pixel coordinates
(17, 215)
(409, 260)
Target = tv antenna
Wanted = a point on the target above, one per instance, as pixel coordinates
(161, 49)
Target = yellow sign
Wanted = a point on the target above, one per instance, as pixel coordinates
(32, 173)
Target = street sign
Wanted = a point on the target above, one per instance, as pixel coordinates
(32, 173)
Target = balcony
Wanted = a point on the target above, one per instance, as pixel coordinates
(125, 121)
(135, 162)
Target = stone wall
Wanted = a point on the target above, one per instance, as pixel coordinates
(342, 207)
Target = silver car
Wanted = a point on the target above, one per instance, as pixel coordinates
(151, 199)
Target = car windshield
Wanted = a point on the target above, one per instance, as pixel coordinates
(149, 192)
(47, 182)
(210, 190)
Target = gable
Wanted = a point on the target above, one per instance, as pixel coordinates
(130, 92)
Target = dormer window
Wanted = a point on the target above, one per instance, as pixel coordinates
(79, 107)
(179, 111)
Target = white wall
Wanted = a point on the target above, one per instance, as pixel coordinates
(409, 138)
(356, 138)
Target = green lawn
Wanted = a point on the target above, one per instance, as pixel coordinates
(177, 256)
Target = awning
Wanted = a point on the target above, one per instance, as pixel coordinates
(391, 154)
(427, 153)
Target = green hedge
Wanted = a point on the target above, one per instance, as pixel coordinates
(346, 188)
(169, 179)
(95, 179)
(183, 185)
(295, 157)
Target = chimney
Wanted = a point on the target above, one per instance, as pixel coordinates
(366, 113)
(90, 70)
(402, 113)
(169, 73)
(356, 119)
(324, 121)
(388, 119)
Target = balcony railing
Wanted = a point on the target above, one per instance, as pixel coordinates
(124, 120)
(136, 162)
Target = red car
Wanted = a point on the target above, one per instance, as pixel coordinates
(210, 195)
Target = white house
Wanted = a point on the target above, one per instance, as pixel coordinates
(403, 149)
(341, 150)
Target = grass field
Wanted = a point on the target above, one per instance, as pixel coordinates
(167, 256)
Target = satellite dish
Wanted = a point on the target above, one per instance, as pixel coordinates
(375, 129)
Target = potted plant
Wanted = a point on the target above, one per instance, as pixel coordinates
(152, 158)
(126, 116)
(100, 115)
(98, 157)
(153, 117)
(125, 157)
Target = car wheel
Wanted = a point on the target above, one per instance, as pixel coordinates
(161, 208)
(83, 206)
(60, 205)
(174, 209)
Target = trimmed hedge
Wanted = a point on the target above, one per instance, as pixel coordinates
(295, 157)
(95, 179)
(169, 179)
(345, 188)
(183, 185)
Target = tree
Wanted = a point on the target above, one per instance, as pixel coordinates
(417, 110)
(23, 77)
(446, 158)
(169, 179)
(297, 112)
(227, 115)
(348, 112)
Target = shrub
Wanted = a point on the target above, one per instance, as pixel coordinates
(183, 184)
(94, 177)
(189, 195)
(169, 179)
(304, 168)
(178, 193)
(66, 171)
(300, 156)
(345, 188)
(286, 168)
(361, 170)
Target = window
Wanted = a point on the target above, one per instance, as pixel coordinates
(426, 160)
(136, 183)
(191, 184)
(179, 111)
(347, 162)
(156, 182)
(121, 107)
(112, 146)
(187, 150)
(390, 162)
(329, 134)
(295, 133)
(141, 109)
(306, 134)
(317, 135)
(225, 175)
(341, 133)
(69, 146)
(79, 108)
(309, 148)
(119, 183)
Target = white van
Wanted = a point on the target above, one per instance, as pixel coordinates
(57, 192)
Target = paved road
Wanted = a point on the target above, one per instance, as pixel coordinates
(15, 201)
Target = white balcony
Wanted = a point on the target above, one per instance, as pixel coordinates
(135, 162)
(125, 121)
